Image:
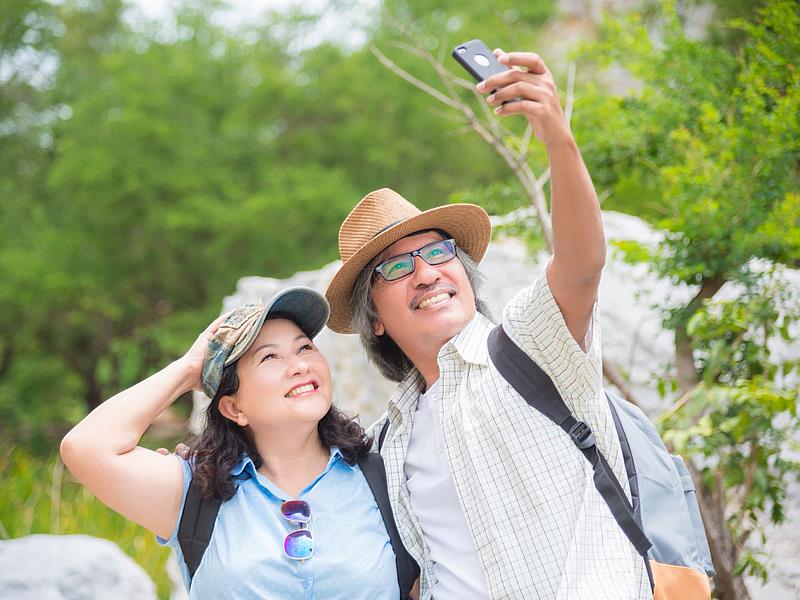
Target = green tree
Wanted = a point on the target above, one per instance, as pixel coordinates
(709, 141)
(156, 182)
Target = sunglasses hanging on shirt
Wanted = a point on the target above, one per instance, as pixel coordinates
(298, 544)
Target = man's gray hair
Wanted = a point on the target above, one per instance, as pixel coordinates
(382, 350)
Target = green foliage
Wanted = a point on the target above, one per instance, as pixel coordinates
(733, 338)
(39, 496)
(147, 169)
(706, 143)
(714, 137)
(741, 422)
(744, 434)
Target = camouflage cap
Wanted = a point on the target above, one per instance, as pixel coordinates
(306, 307)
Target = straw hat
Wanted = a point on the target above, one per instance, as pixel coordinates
(378, 221)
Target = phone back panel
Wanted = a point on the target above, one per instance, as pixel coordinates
(477, 59)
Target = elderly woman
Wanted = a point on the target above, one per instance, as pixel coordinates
(297, 517)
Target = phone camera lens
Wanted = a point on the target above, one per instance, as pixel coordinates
(462, 50)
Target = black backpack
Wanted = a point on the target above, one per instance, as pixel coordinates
(200, 514)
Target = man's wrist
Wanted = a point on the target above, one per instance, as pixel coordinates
(565, 142)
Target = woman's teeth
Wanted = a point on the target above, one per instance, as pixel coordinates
(301, 389)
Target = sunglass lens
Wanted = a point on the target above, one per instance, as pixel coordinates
(299, 545)
(297, 511)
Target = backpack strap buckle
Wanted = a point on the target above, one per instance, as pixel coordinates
(581, 435)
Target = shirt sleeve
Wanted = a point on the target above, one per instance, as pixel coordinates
(172, 540)
(533, 320)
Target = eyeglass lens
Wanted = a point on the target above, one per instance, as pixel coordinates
(436, 253)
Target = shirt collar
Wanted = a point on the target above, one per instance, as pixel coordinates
(404, 399)
(244, 468)
(469, 343)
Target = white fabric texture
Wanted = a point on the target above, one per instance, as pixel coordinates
(456, 566)
(539, 526)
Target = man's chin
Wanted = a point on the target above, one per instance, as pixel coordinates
(443, 323)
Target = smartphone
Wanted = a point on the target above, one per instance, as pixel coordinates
(477, 59)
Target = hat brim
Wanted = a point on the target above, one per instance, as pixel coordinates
(468, 224)
(306, 307)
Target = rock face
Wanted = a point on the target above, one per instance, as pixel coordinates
(70, 567)
(632, 338)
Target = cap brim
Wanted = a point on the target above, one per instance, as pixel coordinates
(306, 307)
(468, 224)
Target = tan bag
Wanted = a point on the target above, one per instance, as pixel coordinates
(679, 583)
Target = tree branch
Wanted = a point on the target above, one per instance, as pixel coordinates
(402, 73)
(490, 130)
(614, 375)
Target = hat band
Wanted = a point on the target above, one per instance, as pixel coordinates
(389, 226)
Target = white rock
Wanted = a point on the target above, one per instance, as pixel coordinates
(70, 567)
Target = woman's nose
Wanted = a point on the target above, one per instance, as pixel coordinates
(298, 365)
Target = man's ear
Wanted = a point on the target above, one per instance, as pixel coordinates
(378, 329)
(230, 410)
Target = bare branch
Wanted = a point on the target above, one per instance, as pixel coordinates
(603, 196)
(392, 66)
(679, 403)
(614, 375)
(570, 102)
(543, 178)
(526, 142)
(491, 130)
(539, 201)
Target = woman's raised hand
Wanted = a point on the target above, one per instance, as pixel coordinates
(194, 357)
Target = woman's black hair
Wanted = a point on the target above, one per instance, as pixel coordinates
(222, 443)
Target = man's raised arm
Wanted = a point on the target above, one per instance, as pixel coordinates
(579, 248)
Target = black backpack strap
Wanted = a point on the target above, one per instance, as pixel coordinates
(627, 457)
(196, 526)
(382, 436)
(375, 474)
(538, 390)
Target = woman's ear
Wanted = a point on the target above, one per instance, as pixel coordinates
(230, 410)
(378, 329)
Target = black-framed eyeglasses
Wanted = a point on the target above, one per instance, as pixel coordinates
(435, 253)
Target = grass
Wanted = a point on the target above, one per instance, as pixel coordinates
(40, 496)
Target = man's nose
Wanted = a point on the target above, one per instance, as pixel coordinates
(424, 274)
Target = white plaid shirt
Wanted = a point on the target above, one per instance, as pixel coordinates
(540, 527)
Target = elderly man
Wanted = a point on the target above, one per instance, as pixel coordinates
(491, 498)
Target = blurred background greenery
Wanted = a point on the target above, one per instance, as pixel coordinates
(146, 164)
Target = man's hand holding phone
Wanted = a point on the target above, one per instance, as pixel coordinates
(524, 87)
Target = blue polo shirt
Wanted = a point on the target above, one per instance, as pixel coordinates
(353, 557)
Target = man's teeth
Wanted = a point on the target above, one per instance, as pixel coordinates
(301, 389)
(434, 300)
